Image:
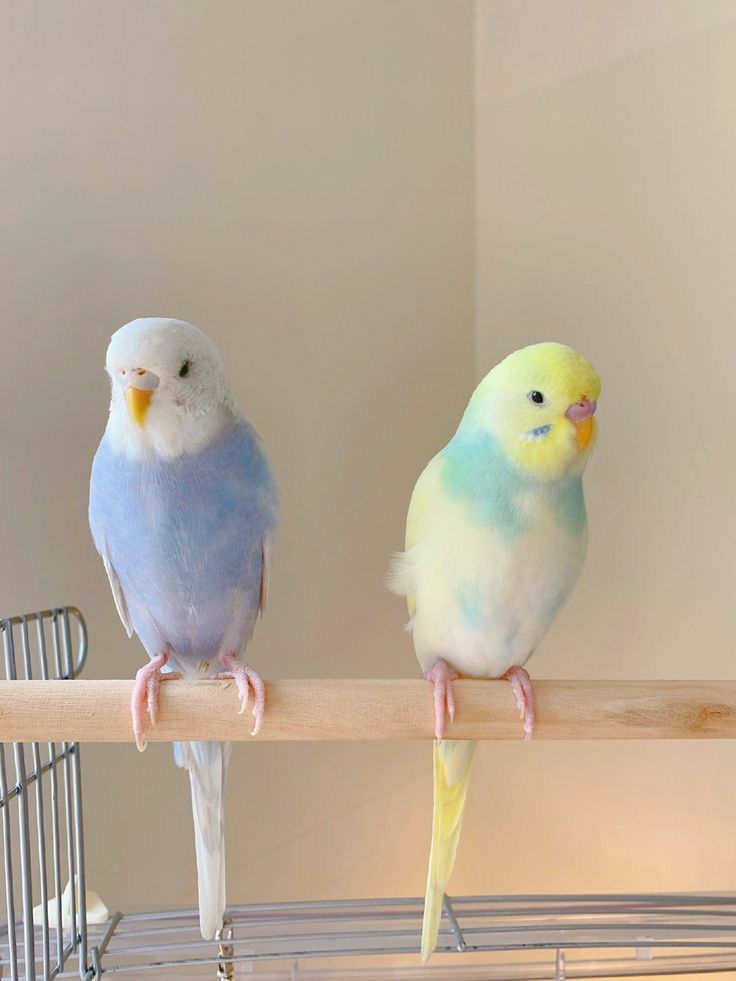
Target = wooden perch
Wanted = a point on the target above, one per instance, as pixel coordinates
(99, 711)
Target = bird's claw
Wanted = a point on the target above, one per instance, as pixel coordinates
(145, 695)
(521, 685)
(442, 676)
(245, 679)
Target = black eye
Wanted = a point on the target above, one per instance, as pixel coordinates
(536, 397)
(184, 370)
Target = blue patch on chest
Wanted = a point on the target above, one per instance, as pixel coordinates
(472, 603)
(569, 504)
(477, 471)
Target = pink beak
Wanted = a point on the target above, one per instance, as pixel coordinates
(583, 409)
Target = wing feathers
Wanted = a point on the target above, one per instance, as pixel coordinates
(117, 594)
(265, 574)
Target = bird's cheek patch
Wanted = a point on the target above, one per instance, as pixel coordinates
(539, 432)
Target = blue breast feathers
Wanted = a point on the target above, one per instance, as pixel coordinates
(477, 471)
(185, 538)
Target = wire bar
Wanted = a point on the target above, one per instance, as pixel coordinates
(454, 925)
(47, 767)
(32, 831)
(597, 936)
(40, 822)
(50, 616)
(25, 847)
(8, 868)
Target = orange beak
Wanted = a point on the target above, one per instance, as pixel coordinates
(581, 415)
(138, 400)
(584, 432)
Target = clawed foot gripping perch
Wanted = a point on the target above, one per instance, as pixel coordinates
(246, 678)
(145, 694)
(442, 676)
(521, 685)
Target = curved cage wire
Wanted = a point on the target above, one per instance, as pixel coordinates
(483, 938)
(41, 810)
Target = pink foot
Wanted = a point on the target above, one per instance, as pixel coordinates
(245, 678)
(145, 694)
(442, 676)
(521, 685)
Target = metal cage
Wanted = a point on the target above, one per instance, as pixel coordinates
(41, 810)
(483, 938)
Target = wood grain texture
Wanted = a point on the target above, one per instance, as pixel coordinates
(99, 711)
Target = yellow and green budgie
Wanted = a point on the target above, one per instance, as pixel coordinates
(495, 540)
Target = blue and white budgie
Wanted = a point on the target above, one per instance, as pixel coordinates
(495, 541)
(183, 511)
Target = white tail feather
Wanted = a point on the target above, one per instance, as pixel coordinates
(207, 766)
(401, 575)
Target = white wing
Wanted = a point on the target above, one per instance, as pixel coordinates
(117, 594)
(265, 574)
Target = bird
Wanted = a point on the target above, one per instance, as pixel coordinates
(496, 535)
(183, 510)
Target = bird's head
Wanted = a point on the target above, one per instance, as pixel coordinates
(540, 403)
(169, 393)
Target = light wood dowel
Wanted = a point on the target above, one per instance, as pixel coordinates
(99, 711)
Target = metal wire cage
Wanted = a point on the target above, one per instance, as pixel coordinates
(482, 938)
(41, 810)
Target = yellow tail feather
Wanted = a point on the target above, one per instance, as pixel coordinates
(452, 760)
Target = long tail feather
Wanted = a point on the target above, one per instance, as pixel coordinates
(207, 766)
(452, 762)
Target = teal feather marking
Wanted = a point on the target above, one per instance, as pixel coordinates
(472, 603)
(569, 504)
(556, 605)
(477, 471)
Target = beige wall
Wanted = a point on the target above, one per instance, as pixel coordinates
(296, 178)
(606, 218)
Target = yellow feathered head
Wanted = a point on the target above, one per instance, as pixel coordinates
(539, 403)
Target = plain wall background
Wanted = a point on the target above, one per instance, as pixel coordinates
(315, 185)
